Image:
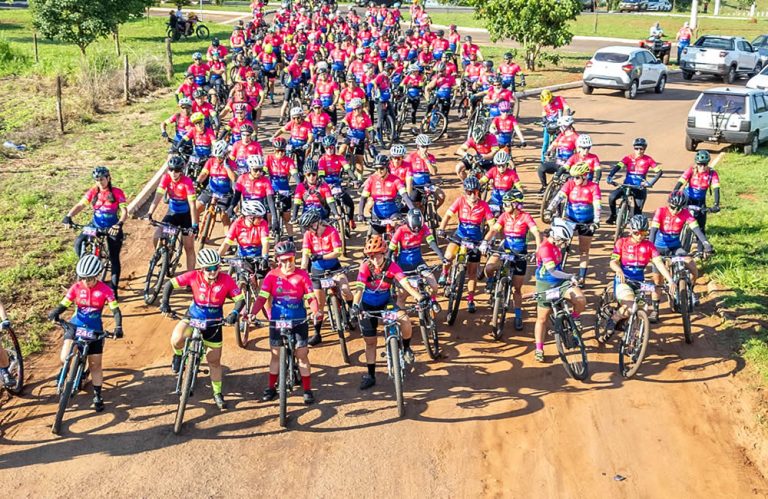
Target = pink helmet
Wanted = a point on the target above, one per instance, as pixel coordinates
(504, 106)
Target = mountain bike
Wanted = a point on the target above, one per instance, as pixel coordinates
(208, 218)
(10, 343)
(625, 208)
(681, 295)
(164, 260)
(687, 236)
(427, 325)
(479, 119)
(429, 205)
(244, 270)
(557, 183)
(634, 340)
(95, 243)
(454, 289)
(435, 123)
(338, 310)
(72, 372)
(568, 339)
(502, 289)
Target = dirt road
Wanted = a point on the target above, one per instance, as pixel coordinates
(484, 421)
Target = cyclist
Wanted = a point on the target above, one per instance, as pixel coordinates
(331, 166)
(199, 70)
(373, 293)
(582, 207)
(220, 178)
(697, 180)
(515, 224)
(472, 213)
(629, 258)
(321, 249)
(237, 40)
(201, 105)
(666, 229)
(254, 185)
(201, 137)
(381, 91)
(293, 81)
(287, 288)
(502, 179)
(549, 275)
(5, 362)
(383, 188)
(244, 149)
(255, 94)
(327, 91)
(319, 121)
(413, 83)
(552, 108)
(281, 168)
(250, 232)
(495, 95)
(181, 120)
(484, 145)
(235, 124)
(443, 85)
(313, 194)
(508, 70)
(218, 74)
(401, 169)
(210, 289)
(423, 167)
(109, 215)
(505, 125)
(269, 63)
(564, 146)
(217, 48)
(90, 296)
(360, 129)
(300, 135)
(187, 87)
(638, 164)
(582, 155)
(182, 210)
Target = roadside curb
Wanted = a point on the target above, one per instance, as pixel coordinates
(146, 192)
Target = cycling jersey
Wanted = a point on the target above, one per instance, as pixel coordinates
(199, 71)
(548, 257)
(508, 70)
(590, 159)
(637, 168)
(471, 218)
(234, 126)
(268, 61)
(240, 152)
(488, 144)
(407, 245)
(106, 205)
(697, 183)
(383, 84)
(583, 201)
(338, 59)
(501, 182)
(439, 45)
(384, 192)
(206, 108)
(319, 123)
(316, 197)
(280, 170)
(299, 132)
(330, 167)
(453, 40)
(218, 176)
(555, 107)
(565, 146)
(89, 303)
(183, 124)
(208, 298)
(420, 167)
(326, 90)
(254, 188)
(201, 141)
(377, 285)
(670, 226)
(413, 84)
(358, 124)
(221, 50)
(288, 293)
(444, 86)
(515, 228)
(402, 171)
(322, 244)
(472, 72)
(180, 193)
(634, 257)
(351, 93)
(249, 240)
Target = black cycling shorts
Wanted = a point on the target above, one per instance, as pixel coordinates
(317, 274)
(206, 196)
(181, 220)
(94, 348)
(368, 325)
(300, 332)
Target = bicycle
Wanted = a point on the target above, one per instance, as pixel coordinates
(435, 123)
(95, 243)
(479, 119)
(164, 260)
(502, 289)
(567, 332)
(625, 207)
(681, 295)
(454, 289)
(213, 212)
(686, 235)
(338, 310)
(429, 207)
(634, 341)
(427, 325)
(10, 343)
(557, 183)
(244, 271)
(72, 372)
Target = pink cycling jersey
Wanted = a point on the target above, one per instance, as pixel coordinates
(503, 181)
(323, 244)
(472, 215)
(287, 292)
(515, 225)
(505, 124)
(406, 239)
(241, 234)
(590, 159)
(299, 131)
(331, 165)
(383, 189)
(254, 188)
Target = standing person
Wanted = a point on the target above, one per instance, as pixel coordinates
(697, 180)
(683, 39)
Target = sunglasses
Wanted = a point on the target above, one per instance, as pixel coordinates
(285, 258)
(102, 177)
(639, 148)
(313, 174)
(470, 193)
(212, 268)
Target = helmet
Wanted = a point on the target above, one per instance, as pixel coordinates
(380, 160)
(255, 162)
(185, 102)
(702, 158)
(640, 142)
(507, 55)
(220, 148)
(512, 196)
(279, 143)
(561, 231)
(488, 64)
(440, 33)
(360, 51)
(565, 121)
(199, 92)
(545, 96)
(316, 103)
(197, 56)
(415, 220)
(284, 248)
(423, 140)
(253, 208)
(397, 151)
(207, 257)
(471, 184)
(246, 129)
(389, 66)
(504, 106)
(175, 164)
(493, 79)
(374, 245)
(351, 78)
(296, 111)
(579, 169)
(268, 48)
(215, 42)
(310, 166)
(467, 38)
(309, 217)
(584, 141)
(356, 103)
(89, 266)
(677, 200)
(197, 117)
(478, 134)
(638, 223)
(501, 157)
(100, 172)
(329, 141)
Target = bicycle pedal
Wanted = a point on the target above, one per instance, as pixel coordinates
(204, 371)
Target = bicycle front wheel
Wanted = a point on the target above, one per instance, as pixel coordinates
(552, 189)
(242, 326)
(158, 268)
(188, 379)
(622, 218)
(435, 125)
(634, 344)
(282, 386)
(66, 393)
(570, 348)
(338, 322)
(16, 362)
(454, 294)
(684, 305)
(207, 228)
(393, 349)
(499, 308)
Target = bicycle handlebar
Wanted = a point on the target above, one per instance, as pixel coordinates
(99, 335)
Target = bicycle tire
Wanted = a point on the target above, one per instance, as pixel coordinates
(429, 334)
(622, 216)
(552, 189)
(338, 323)
(566, 349)
(154, 282)
(207, 228)
(431, 216)
(16, 361)
(388, 132)
(683, 304)
(602, 314)
(188, 379)
(282, 386)
(397, 373)
(633, 347)
(499, 308)
(65, 394)
(686, 240)
(342, 229)
(436, 131)
(454, 299)
(242, 326)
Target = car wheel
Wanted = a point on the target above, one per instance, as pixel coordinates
(690, 144)
(730, 76)
(687, 75)
(631, 92)
(661, 84)
(586, 88)
(754, 145)
(758, 68)
(665, 59)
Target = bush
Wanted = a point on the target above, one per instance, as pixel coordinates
(10, 61)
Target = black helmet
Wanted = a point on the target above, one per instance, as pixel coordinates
(175, 164)
(309, 217)
(279, 143)
(310, 166)
(380, 160)
(215, 42)
(415, 220)
(677, 200)
(488, 64)
(508, 55)
(100, 172)
(471, 184)
(640, 142)
(286, 247)
(638, 223)
(440, 33)
(246, 129)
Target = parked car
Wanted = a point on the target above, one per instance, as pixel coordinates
(723, 56)
(728, 115)
(632, 5)
(588, 5)
(761, 44)
(659, 5)
(630, 69)
(760, 80)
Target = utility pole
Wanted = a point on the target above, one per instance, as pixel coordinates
(693, 23)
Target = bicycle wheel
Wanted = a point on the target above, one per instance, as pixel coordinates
(570, 348)
(686, 239)
(603, 313)
(242, 326)
(435, 126)
(188, 379)
(158, 268)
(550, 192)
(500, 292)
(66, 393)
(684, 305)
(337, 323)
(634, 344)
(342, 229)
(454, 297)
(207, 228)
(388, 132)
(393, 348)
(429, 334)
(16, 362)
(282, 386)
(430, 214)
(622, 218)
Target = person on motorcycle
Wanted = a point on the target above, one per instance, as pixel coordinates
(666, 229)
(697, 180)
(331, 167)
(505, 125)
(472, 213)
(549, 275)
(182, 209)
(321, 250)
(220, 179)
(638, 164)
(502, 179)
(243, 149)
(655, 31)
(552, 108)
(288, 288)
(182, 120)
(90, 295)
(561, 149)
(373, 293)
(508, 70)
(631, 255)
(199, 70)
(300, 135)
(313, 194)
(281, 167)
(201, 137)
(423, 167)
(582, 207)
(210, 289)
(484, 146)
(583, 155)
(250, 233)
(359, 134)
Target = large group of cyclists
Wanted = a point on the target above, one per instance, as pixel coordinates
(362, 99)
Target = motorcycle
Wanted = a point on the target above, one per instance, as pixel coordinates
(658, 47)
(193, 26)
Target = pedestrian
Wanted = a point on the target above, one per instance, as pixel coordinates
(683, 39)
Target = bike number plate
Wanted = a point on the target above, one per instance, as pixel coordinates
(468, 245)
(336, 190)
(354, 142)
(552, 294)
(327, 283)
(198, 323)
(678, 259)
(89, 231)
(389, 315)
(647, 287)
(283, 324)
(84, 333)
(414, 282)
(169, 231)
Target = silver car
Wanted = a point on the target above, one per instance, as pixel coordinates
(630, 69)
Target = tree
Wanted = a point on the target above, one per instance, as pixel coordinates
(534, 24)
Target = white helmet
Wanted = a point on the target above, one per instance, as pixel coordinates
(356, 103)
(584, 141)
(423, 140)
(253, 208)
(255, 162)
(501, 158)
(185, 102)
(208, 258)
(322, 65)
(565, 121)
(88, 266)
(561, 230)
(296, 111)
(397, 150)
(220, 148)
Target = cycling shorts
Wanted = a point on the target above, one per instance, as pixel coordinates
(181, 220)
(300, 334)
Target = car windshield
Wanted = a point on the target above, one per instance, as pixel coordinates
(764, 72)
(610, 57)
(721, 103)
(714, 43)
(760, 41)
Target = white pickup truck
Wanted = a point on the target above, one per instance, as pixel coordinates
(724, 56)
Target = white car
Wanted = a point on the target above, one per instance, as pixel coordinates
(659, 5)
(630, 69)
(760, 80)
